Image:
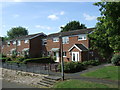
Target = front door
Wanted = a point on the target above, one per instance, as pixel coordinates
(56, 54)
(75, 56)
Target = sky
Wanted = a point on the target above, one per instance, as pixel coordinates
(46, 17)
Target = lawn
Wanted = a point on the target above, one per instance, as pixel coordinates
(108, 72)
(80, 84)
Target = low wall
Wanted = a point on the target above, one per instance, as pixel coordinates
(22, 77)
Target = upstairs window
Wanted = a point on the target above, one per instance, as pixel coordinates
(44, 41)
(14, 42)
(26, 41)
(8, 43)
(82, 37)
(65, 40)
(18, 43)
(55, 39)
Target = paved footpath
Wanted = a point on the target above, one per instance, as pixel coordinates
(78, 77)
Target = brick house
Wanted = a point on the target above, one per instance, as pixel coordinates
(75, 45)
(25, 45)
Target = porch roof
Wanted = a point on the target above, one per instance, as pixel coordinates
(80, 47)
(55, 49)
(25, 49)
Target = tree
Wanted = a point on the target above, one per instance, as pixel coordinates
(106, 36)
(17, 32)
(73, 25)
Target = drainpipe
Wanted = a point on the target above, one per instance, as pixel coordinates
(62, 61)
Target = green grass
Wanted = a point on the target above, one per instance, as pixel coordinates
(80, 84)
(108, 72)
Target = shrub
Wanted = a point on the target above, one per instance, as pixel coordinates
(39, 60)
(13, 56)
(91, 62)
(20, 59)
(71, 67)
(116, 59)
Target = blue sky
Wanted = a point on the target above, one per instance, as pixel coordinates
(46, 17)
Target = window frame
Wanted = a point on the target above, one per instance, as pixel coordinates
(82, 36)
(55, 39)
(65, 40)
(43, 41)
(64, 54)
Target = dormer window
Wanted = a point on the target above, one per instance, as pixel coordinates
(26, 41)
(82, 37)
(55, 39)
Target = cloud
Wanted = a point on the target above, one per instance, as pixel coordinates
(88, 17)
(17, 0)
(53, 17)
(16, 15)
(62, 13)
(42, 27)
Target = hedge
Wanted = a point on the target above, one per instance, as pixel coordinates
(39, 60)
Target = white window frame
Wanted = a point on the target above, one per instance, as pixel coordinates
(65, 40)
(56, 39)
(18, 43)
(14, 42)
(26, 41)
(8, 44)
(64, 53)
(43, 41)
(82, 36)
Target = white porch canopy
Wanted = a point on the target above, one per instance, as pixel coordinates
(54, 49)
(25, 49)
(13, 49)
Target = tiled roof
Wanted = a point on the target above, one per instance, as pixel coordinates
(82, 47)
(69, 33)
(26, 37)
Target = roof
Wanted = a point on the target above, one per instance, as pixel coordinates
(80, 47)
(25, 37)
(69, 33)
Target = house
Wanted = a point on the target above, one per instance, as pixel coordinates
(29, 45)
(75, 45)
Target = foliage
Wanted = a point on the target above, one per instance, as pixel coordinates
(39, 60)
(108, 72)
(91, 62)
(71, 67)
(13, 56)
(20, 59)
(17, 32)
(116, 59)
(5, 59)
(2, 55)
(106, 36)
(73, 25)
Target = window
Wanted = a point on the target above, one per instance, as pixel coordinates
(18, 43)
(26, 41)
(55, 39)
(82, 37)
(65, 40)
(44, 41)
(14, 42)
(8, 43)
(64, 54)
(49, 53)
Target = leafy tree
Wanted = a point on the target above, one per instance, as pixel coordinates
(17, 32)
(106, 36)
(73, 25)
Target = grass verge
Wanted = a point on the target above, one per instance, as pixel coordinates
(108, 72)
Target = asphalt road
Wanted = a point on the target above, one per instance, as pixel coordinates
(6, 84)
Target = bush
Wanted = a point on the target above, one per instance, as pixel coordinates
(39, 60)
(13, 56)
(20, 59)
(116, 59)
(2, 55)
(71, 67)
(91, 62)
